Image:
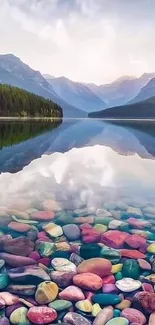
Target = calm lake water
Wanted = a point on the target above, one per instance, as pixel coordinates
(78, 162)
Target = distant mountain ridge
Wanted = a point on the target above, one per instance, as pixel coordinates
(146, 92)
(16, 73)
(140, 110)
(76, 93)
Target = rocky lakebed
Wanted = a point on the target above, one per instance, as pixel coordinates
(79, 267)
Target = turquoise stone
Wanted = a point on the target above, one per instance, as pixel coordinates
(106, 299)
(4, 281)
(118, 321)
(116, 313)
(131, 269)
(103, 220)
(118, 276)
(60, 305)
(111, 254)
(90, 250)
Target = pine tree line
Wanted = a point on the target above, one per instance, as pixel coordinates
(18, 102)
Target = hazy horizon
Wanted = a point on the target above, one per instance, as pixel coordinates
(90, 41)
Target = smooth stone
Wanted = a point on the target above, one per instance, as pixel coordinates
(15, 260)
(147, 287)
(11, 308)
(2, 263)
(152, 319)
(64, 219)
(118, 276)
(98, 266)
(108, 279)
(114, 238)
(134, 315)
(136, 241)
(25, 290)
(76, 259)
(8, 298)
(115, 224)
(84, 305)
(138, 223)
(63, 246)
(46, 292)
(109, 288)
(72, 293)
(44, 248)
(19, 226)
(4, 321)
(151, 248)
(76, 319)
(103, 220)
(60, 305)
(128, 285)
(42, 215)
(131, 269)
(134, 211)
(71, 231)
(118, 321)
(41, 315)
(19, 246)
(144, 265)
(135, 254)
(29, 222)
(96, 309)
(62, 279)
(90, 236)
(146, 301)
(45, 261)
(103, 213)
(19, 214)
(88, 251)
(151, 278)
(53, 230)
(116, 313)
(100, 228)
(110, 254)
(117, 215)
(4, 281)
(116, 268)
(106, 299)
(28, 273)
(19, 316)
(104, 316)
(34, 255)
(88, 281)
(123, 304)
(63, 265)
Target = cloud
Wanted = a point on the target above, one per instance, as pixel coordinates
(86, 40)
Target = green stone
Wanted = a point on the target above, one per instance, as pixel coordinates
(90, 250)
(64, 219)
(103, 220)
(125, 228)
(45, 249)
(106, 299)
(60, 305)
(30, 222)
(151, 236)
(4, 281)
(100, 228)
(118, 276)
(18, 316)
(131, 269)
(110, 254)
(116, 313)
(118, 321)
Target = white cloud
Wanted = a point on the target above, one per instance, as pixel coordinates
(85, 40)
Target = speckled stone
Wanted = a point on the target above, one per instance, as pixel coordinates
(63, 265)
(44, 248)
(146, 300)
(53, 230)
(19, 246)
(72, 293)
(76, 319)
(41, 315)
(134, 315)
(46, 292)
(76, 259)
(24, 274)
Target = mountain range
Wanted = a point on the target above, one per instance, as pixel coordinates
(77, 99)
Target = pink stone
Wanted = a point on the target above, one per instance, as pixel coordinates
(152, 319)
(137, 223)
(109, 279)
(134, 315)
(42, 215)
(88, 281)
(135, 254)
(19, 246)
(45, 261)
(41, 315)
(15, 260)
(35, 255)
(146, 300)
(137, 241)
(20, 227)
(109, 288)
(90, 236)
(144, 264)
(103, 316)
(147, 287)
(85, 226)
(41, 234)
(72, 293)
(114, 238)
(9, 298)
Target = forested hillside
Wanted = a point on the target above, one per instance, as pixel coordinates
(18, 102)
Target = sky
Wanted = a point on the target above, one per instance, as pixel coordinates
(93, 41)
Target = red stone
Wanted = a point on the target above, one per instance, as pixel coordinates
(35, 255)
(85, 226)
(42, 215)
(137, 241)
(135, 254)
(140, 224)
(146, 300)
(114, 238)
(41, 315)
(16, 260)
(108, 279)
(88, 281)
(90, 236)
(20, 227)
(45, 260)
(19, 246)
